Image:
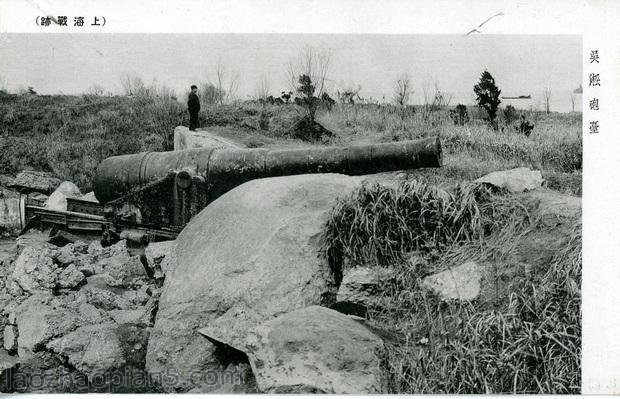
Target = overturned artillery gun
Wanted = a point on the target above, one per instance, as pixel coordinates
(153, 195)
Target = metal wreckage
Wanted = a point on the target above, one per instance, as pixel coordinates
(151, 196)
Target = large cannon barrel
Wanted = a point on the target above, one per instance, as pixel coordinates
(225, 168)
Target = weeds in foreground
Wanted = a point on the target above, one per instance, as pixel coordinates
(522, 335)
(377, 224)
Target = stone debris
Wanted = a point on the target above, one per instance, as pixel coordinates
(8, 363)
(361, 284)
(104, 299)
(70, 277)
(93, 349)
(89, 196)
(30, 180)
(35, 270)
(316, 350)
(514, 180)
(57, 201)
(10, 338)
(458, 283)
(73, 306)
(159, 257)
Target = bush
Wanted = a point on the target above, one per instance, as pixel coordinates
(510, 115)
(459, 115)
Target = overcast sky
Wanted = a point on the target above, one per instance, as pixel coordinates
(71, 63)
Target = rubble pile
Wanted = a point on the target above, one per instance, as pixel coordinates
(74, 317)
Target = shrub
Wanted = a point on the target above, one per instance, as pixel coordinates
(510, 114)
(459, 115)
(524, 127)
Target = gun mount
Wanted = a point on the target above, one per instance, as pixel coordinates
(165, 189)
(153, 195)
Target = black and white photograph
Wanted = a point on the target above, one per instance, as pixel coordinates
(288, 212)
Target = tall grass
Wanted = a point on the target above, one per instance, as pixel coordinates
(522, 335)
(377, 223)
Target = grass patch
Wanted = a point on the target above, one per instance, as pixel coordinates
(377, 224)
(523, 333)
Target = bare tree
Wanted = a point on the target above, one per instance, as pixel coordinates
(226, 83)
(547, 98)
(402, 89)
(572, 101)
(133, 85)
(349, 94)
(261, 91)
(313, 63)
(96, 90)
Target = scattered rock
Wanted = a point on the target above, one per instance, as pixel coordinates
(70, 277)
(249, 256)
(159, 257)
(86, 264)
(33, 238)
(93, 350)
(121, 267)
(104, 299)
(30, 180)
(35, 270)
(90, 197)
(8, 364)
(137, 297)
(38, 321)
(134, 316)
(10, 338)
(460, 283)
(515, 180)
(66, 255)
(43, 373)
(361, 285)
(57, 201)
(96, 250)
(316, 350)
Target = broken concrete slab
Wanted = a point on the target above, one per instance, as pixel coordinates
(316, 349)
(35, 270)
(159, 257)
(30, 180)
(361, 284)
(458, 283)
(57, 201)
(515, 180)
(10, 337)
(185, 139)
(70, 277)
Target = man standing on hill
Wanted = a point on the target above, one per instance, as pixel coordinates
(193, 105)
